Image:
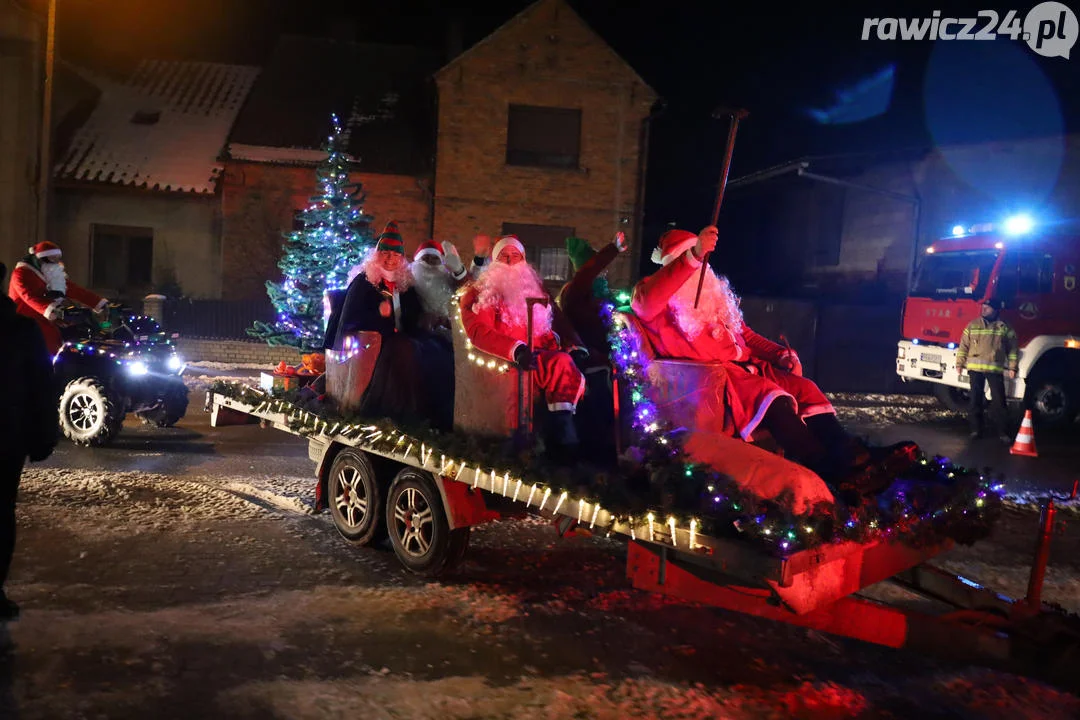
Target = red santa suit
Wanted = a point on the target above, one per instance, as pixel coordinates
(664, 301)
(35, 299)
(498, 327)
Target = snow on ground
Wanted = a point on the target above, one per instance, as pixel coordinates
(211, 365)
(378, 626)
(874, 409)
(202, 383)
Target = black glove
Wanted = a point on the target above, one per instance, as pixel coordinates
(580, 356)
(523, 359)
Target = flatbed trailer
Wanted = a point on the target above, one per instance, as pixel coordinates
(377, 484)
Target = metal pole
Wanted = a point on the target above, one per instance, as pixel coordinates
(736, 116)
(44, 163)
(1033, 601)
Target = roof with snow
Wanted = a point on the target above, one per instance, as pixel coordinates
(382, 93)
(162, 129)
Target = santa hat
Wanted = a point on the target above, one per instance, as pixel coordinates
(44, 250)
(390, 239)
(505, 242)
(428, 248)
(673, 244)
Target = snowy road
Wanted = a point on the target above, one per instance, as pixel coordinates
(179, 575)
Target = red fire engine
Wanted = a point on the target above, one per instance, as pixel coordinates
(1035, 272)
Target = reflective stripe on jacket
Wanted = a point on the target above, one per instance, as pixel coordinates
(988, 347)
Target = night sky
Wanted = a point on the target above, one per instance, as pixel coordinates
(811, 84)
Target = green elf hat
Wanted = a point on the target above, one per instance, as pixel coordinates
(579, 251)
(390, 239)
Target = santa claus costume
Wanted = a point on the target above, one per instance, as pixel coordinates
(438, 272)
(39, 286)
(495, 316)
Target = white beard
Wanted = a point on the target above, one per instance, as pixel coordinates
(505, 288)
(55, 277)
(435, 287)
(717, 311)
(375, 273)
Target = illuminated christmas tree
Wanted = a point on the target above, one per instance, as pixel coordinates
(334, 237)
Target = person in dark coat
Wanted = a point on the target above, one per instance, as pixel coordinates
(412, 381)
(29, 422)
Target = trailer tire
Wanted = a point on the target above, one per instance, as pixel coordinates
(419, 530)
(353, 495)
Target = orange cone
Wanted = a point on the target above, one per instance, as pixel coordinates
(1025, 438)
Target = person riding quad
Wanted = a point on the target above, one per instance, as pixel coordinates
(40, 288)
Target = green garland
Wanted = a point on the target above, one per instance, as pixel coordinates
(921, 508)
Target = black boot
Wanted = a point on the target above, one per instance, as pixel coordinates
(562, 438)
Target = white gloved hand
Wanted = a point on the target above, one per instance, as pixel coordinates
(451, 258)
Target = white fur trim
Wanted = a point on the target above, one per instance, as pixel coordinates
(101, 305)
(50, 311)
(508, 241)
(56, 252)
(428, 251)
(31, 268)
(747, 432)
(674, 253)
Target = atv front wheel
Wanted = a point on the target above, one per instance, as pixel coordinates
(172, 408)
(88, 415)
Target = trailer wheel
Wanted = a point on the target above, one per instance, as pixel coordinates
(354, 497)
(418, 528)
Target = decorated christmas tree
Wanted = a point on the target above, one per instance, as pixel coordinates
(334, 237)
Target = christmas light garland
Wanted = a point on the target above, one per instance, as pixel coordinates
(928, 501)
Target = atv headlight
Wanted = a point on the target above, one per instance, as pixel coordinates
(175, 363)
(138, 367)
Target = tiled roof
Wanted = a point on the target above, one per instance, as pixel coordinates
(162, 129)
(382, 93)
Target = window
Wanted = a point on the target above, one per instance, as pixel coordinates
(545, 249)
(122, 258)
(1026, 274)
(543, 137)
(955, 274)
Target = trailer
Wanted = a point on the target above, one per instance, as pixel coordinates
(377, 484)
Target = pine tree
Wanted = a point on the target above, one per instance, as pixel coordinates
(334, 237)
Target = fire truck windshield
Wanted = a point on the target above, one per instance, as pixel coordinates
(956, 274)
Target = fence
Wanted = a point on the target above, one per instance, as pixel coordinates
(844, 348)
(216, 318)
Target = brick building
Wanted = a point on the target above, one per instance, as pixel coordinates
(540, 133)
(383, 96)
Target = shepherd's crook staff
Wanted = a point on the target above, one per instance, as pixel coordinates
(736, 115)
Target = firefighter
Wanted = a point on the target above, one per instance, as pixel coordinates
(988, 349)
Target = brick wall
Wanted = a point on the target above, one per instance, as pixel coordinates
(258, 203)
(547, 56)
(241, 352)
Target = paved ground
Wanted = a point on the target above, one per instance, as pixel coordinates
(177, 575)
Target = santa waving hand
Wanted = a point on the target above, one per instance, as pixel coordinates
(40, 287)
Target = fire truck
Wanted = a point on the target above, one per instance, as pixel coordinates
(1034, 271)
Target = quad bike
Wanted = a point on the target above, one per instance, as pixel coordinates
(112, 364)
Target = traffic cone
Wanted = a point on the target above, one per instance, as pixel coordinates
(1025, 438)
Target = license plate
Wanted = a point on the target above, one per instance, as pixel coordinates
(930, 357)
